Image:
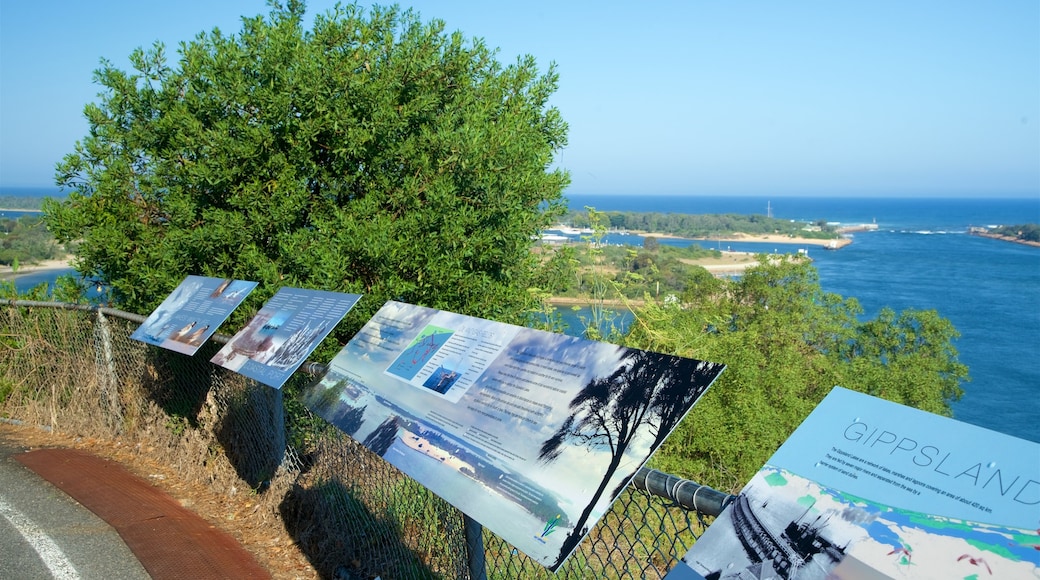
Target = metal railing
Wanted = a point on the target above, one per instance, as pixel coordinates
(74, 368)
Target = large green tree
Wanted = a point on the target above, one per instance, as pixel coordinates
(372, 154)
(785, 343)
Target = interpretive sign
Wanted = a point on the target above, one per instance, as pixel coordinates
(285, 331)
(192, 312)
(530, 433)
(866, 488)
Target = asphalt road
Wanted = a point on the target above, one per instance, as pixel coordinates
(46, 534)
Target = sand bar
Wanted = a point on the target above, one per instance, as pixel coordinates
(7, 273)
(756, 238)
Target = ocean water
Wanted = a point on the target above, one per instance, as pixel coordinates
(921, 257)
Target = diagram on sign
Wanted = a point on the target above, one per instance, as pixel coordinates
(446, 361)
(420, 352)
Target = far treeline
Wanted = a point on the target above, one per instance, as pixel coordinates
(1024, 232)
(377, 154)
(26, 240)
(705, 225)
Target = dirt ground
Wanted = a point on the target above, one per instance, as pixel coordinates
(264, 537)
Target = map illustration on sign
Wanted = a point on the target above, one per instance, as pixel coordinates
(866, 488)
(190, 315)
(423, 348)
(530, 433)
(285, 331)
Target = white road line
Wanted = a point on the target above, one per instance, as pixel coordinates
(55, 560)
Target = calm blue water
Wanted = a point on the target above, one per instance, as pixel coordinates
(15, 214)
(921, 257)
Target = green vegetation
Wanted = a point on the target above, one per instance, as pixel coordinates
(705, 225)
(26, 240)
(1024, 232)
(373, 154)
(618, 272)
(786, 343)
(634, 271)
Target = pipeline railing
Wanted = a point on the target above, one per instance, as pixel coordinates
(74, 368)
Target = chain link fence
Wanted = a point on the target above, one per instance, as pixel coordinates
(74, 368)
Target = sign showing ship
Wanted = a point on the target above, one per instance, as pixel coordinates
(866, 488)
(530, 433)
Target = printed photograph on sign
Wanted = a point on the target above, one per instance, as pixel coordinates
(190, 315)
(283, 333)
(448, 361)
(866, 488)
(530, 433)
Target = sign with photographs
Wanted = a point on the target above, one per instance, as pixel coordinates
(866, 488)
(285, 331)
(192, 312)
(530, 433)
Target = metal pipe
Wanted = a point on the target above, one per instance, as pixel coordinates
(688, 494)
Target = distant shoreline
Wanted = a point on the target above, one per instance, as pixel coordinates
(7, 273)
(763, 238)
(831, 243)
(1004, 238)
(586, 302)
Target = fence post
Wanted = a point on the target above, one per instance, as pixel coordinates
(108, 380)
(254, 427)
(277, 406)
(475, 549)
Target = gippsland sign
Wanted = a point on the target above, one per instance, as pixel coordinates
(285, 331)
(530, 433)
(192, 312)
(866, 488)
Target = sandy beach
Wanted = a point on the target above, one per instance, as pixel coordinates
(727, 263)
(585, 301)
(764, 238)
(6, 273)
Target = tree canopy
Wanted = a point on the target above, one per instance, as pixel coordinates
(373, 154)
(786, 343)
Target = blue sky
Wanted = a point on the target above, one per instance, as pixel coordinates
(697, 98)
